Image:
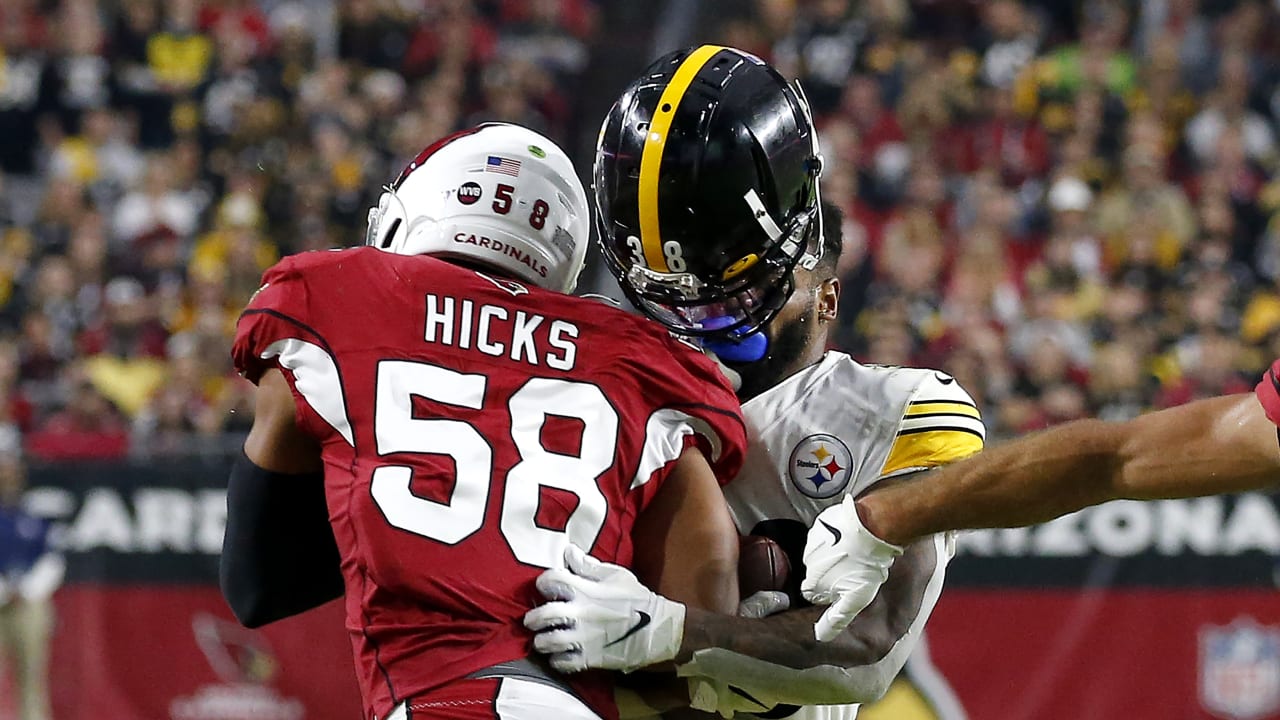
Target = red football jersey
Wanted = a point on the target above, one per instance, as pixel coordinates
(1268, 392)
(470, 427)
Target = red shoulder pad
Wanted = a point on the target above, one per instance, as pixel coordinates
(700, 389)
(276, 311)
(1268, 392)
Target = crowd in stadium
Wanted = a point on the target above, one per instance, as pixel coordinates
(1070, 206)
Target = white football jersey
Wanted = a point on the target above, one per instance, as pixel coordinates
(836, 429)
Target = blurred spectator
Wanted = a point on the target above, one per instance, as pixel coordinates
(1118, 386)
(1143, 193)
(1008, 43)
(21, 83)
(821, 50)
(1012, 144)
(99, 157)
(179, 55)
(155, 203)
(1179, 22)
(30, 572)
(15, 409)
(87, 427)
(1072, 250)
(542, 39)
(370, 36)
(1074, 207)
(1098, 60)
(1226, 109)
(450, 37)
(124, 352)
(78, 74)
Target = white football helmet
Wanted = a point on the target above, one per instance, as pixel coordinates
(497, 194)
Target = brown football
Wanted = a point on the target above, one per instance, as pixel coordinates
(762, 565)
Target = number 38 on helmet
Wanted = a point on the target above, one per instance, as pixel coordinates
(706, 183)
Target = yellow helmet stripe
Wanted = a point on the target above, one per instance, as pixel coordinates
(651, 156)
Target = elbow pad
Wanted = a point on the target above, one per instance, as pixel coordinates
(279, 556)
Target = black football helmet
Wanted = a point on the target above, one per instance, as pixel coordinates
(706, 185)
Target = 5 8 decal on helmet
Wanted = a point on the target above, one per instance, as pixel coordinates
(530, 227)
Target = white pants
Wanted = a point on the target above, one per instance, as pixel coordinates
(516, 699)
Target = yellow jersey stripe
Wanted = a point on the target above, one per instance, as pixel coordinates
(651, 155)
(929, 448)
(916, 409)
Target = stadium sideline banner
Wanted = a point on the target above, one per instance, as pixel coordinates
(142, 632)
(1162, 609)
(1130, 610)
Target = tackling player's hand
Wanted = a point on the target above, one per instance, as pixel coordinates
(845, 565)
(601, 616)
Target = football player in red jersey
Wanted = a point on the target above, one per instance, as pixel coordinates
(1217, 445)
(447, 420)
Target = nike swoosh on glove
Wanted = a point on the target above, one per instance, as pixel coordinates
(601, 616)
(845, 565)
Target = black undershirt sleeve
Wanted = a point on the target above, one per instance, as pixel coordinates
(279, 557)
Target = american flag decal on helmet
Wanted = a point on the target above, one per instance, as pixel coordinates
(502, 166)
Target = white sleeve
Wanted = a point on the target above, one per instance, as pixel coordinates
(940, 424)
(43, 578)
(773, 684)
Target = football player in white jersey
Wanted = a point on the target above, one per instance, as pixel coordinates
(1209, 446)
(706, 181)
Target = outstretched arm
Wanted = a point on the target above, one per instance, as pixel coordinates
(1219, 445)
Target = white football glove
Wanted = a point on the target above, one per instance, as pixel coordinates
(600, 616)
(845, 565)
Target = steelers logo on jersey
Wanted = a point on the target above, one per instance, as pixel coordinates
(821, 466)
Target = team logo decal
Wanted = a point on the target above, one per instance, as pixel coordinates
(821, 466)
(469, 193)
(246, 669)
(511, 286)
(1240, 670)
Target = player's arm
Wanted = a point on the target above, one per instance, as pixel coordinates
(601, 616)
(796, 658)
(686, 548)
(279, 557)
(778, 660)
(1218, 445)
(686, 545)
